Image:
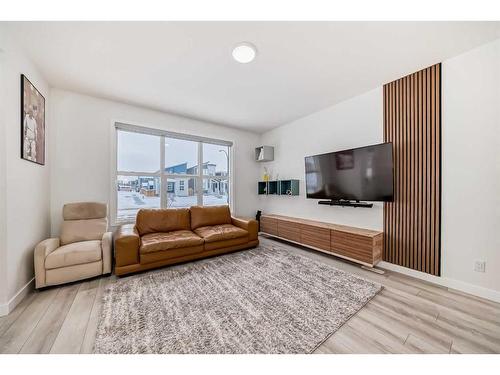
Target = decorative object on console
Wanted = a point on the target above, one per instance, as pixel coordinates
(82, 251)
(32, 123)
(257, 217)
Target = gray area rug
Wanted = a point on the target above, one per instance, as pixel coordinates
(265, 300)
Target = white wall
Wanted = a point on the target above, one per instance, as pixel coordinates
(471, 165)
(3, 181)
(352, 123)
(470, 168)
(78, 163)
(81, 140)
(24, 186)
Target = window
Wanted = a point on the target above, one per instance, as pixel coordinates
(215, 174)
(163, 169)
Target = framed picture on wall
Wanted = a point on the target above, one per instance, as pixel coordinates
(32, 123)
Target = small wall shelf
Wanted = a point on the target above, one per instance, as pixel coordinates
(289, 187)
(264, 153)
(280, 187)
(262, 187)
(273, 188)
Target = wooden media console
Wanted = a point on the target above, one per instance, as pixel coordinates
(359, 245)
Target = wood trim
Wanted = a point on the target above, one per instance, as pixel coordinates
(412, 122)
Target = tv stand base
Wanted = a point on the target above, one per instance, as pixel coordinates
(346, 203)
(373, 269)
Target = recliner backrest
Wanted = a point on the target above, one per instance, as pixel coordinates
(83, 221)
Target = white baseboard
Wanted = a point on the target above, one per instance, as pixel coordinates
(479, 291)
(6, 308)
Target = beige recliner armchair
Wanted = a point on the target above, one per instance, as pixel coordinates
(83, 249)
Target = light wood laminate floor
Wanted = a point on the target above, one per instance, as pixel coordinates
(407, 316)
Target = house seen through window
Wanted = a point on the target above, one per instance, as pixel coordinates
(156, 171)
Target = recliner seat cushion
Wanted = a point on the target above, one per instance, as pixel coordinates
(166, 241)
(73, 254)
(162, 220)
(203, 216)
(221, 232)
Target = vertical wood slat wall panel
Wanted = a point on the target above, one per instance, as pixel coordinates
(412, 122)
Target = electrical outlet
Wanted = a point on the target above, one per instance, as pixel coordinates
(480, 266)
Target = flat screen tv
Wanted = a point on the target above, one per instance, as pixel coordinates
(364, 173)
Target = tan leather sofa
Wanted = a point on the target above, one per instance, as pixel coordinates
(167, 236)
(82, 251)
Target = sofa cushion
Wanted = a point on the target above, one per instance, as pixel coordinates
(221, 232)
(73, 254)
(225, 243)
(166, 241)
(160, 256)
(212, 215)
(162, 220)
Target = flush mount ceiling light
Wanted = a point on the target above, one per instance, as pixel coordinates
(244, 52)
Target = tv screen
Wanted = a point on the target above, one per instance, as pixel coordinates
(364, 173)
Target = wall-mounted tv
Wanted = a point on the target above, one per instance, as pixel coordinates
(364, 173)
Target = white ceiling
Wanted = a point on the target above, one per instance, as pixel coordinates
(187, 68)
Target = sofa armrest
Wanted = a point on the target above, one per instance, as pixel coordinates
(42, 250)
(250, 225)
(127, 243)
(106, 244)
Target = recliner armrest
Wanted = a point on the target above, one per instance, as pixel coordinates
(42, 250)
(250, 225)
(127, 244)
(106, 244)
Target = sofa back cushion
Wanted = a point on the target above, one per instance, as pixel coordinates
(209, 215)
(83, 221)
(162, 220)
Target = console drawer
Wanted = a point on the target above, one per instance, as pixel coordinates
(269, 225)
(289, 230)
(352, 246)
(315, 236)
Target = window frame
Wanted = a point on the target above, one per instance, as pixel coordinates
(162, 174)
